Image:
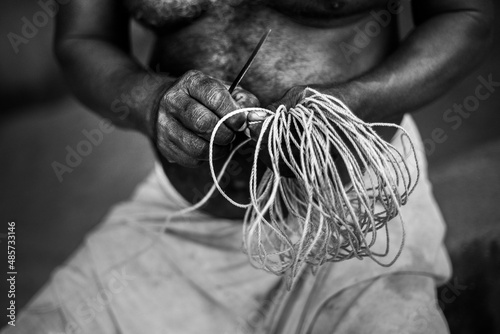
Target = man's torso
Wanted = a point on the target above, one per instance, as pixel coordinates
(308, 45)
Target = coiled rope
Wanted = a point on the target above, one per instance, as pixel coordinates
(321, 214)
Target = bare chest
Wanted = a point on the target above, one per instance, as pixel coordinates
(166, 13)
(217, 36)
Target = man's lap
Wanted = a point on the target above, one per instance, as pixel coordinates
(399, 303)
(194, 278)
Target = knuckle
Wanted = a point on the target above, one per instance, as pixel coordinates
(215, 97)
(194, 78)
(161, 121)
(192, 74)
(168, 98)
(203, 123)
(199, 149)
(171, 100)
(201, 120)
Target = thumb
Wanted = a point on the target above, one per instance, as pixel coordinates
(245, 99)
(255, 120)
(290, 99)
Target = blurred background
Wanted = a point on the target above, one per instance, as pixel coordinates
(39, 119)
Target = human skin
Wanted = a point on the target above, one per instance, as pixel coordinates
(202, 49)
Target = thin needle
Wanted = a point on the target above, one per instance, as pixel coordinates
(249, 62)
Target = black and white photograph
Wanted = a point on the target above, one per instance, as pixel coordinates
(250, 166)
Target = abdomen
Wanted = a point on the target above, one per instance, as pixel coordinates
(218, 43)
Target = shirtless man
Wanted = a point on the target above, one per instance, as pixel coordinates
(347, 48)
(317, 43)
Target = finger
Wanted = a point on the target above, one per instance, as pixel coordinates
(202, 121)
(167, 148)
(290, 99)
(176, 155)
(245, 99)
(213, 95)
(255, 119)
(191, 144)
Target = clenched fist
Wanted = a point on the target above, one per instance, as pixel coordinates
(189, 111)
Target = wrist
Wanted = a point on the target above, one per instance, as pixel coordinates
(150, 119)
(352, 94)
(143, 101)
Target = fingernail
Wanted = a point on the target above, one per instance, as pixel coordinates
(257, 115)
(243, 127)
(239, 96)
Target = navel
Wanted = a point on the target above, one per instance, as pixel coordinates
(337, 5)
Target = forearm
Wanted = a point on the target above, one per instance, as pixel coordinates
(440, 52)
(111, 83)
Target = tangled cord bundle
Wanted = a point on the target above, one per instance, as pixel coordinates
(324, 213)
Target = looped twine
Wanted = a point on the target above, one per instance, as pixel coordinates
(323, 214)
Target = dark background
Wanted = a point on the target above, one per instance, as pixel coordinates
(39, 119)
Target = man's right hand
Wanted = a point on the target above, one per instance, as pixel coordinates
(189, 111)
